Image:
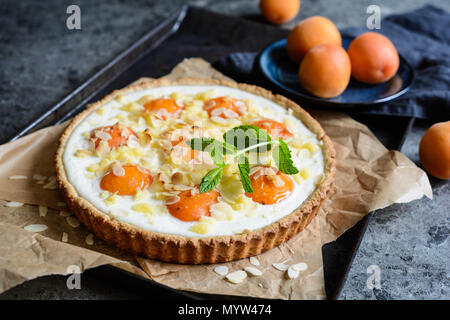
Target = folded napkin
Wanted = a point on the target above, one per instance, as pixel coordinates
(421, 36)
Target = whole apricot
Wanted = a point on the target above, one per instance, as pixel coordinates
(374, 58)
(325, 70)
(434, 150)
(309, 33)
(279, 11)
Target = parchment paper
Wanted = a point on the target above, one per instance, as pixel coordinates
(368, 177)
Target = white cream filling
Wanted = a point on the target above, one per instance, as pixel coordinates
(163, 222)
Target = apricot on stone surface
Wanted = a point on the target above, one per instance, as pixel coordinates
(434, 150)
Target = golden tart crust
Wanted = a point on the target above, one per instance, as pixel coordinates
(197, 250)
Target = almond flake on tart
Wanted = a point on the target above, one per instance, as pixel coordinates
(128, 175)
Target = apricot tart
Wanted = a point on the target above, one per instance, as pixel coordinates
(150, 169)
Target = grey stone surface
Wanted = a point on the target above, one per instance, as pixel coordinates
(41, 61)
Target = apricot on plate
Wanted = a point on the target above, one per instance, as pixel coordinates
(434, 150)
(325, 70)
(309, 33)
(279, 11)
(373, 57)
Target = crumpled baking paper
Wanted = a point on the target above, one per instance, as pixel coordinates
(368, 177)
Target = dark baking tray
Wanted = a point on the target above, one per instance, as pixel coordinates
(195, 32)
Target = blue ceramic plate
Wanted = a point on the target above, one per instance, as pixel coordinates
(278, 68)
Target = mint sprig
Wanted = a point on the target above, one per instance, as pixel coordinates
(237, 142)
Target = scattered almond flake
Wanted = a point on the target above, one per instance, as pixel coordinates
(118, 171)
(236, 276)
(172, 199)
(39, 177)
(260, 285)
(61, 204)
(51, 184)
(221, 270)
(300, 266)
(73, 222)
(18, 177)
(280, 266)
(253, 271)
(65, 237)
(292, 273)
(43, 211)
(63, 213)
(36, 227)
(254, 261)
(89, 239)
(14, 204)
(230, 113)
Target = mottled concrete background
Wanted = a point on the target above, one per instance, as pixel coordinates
(41, 61)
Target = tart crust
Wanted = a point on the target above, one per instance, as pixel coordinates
(193, 250)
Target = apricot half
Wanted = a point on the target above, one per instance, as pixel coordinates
(309, 33)
(279, 11)
(192, 205)
(434, 150)
(373, 57)
(325, 70)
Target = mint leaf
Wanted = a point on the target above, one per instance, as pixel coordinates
(244, 173)
(201, 144)
(211, 180)
(245, 136)
(282, 157)
(215, 148)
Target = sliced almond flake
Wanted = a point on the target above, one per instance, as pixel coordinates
(14, 204)
(118, 171)
(254, 261)
(181, 187)
(18, 177)
(230, 113)
(260, 285)
(65, 237)
(36, 227)
(253, 271)
(300, 266)
(221, 270)
(104, 136)
(280, 266)
(236, 276)
(292, 273)
(61, 204)
(172, 200)
(39, 177)
(210, 105)
(63, 213)
(89, 239)
(219, 120)
(278, 181)
(73, 222)
(43, 211)
(51, 184)
(194, 191)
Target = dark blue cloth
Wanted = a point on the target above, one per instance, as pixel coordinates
(421, 36)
